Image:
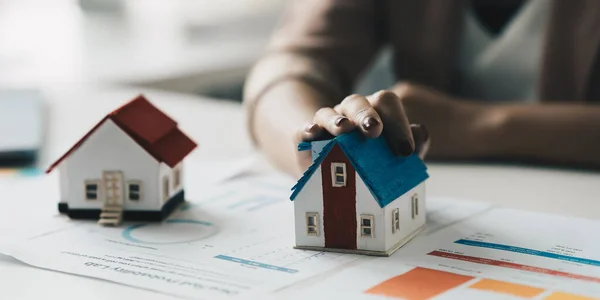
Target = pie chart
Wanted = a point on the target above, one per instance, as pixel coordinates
(173, 231)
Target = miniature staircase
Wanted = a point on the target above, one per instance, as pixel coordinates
(111, 215)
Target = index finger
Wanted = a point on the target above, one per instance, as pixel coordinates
(396, 127)
(360, 111)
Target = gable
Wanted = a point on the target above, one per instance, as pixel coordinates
(109, 143)
(77, 145)
(336, 155)
(312, 168)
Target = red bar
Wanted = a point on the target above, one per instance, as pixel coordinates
(485, 261)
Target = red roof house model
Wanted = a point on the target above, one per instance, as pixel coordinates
(107, 176)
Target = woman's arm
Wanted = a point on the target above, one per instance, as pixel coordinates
(281, 113)
(566, 134)
(313, 60)
(550, 133)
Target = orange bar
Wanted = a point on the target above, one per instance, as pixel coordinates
(418, 284)
(565, 296)
(7, 171)
(506, 288)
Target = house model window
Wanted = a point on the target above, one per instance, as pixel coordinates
(176, 177)
(338, 174)
(312, 223)
(415, 205)
(366, 225)
(395, 220)
(91, 189)
(134, 190)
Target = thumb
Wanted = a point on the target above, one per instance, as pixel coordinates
(421, 138)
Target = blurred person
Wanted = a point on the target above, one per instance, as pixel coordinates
(489, 79)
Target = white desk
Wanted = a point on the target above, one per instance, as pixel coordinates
(565, 192)
(219, 128)
(177, 45)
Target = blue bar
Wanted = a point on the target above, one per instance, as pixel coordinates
(256, 264)
(529, 252)
(205, 223)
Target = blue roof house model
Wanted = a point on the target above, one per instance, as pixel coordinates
(358, 197)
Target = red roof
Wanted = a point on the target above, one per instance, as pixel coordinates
(150, 128)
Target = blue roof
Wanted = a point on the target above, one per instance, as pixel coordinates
(386, 175)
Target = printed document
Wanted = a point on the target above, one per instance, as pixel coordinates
(234, 241)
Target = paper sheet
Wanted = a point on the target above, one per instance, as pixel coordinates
(498, 254)
(29, 202)
(234, 241)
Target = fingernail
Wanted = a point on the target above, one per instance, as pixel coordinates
(341, 120)
(311, 127)
(405, 148)
(369, 123)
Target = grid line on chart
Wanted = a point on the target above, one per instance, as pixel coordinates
(533, 252)
(255, 264)
(498, 263)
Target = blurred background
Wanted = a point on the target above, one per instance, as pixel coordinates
(200, 47)
(187, 48)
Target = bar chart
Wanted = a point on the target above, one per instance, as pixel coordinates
(418, 284)
(510, 265)
(492, 254)
(423, 283)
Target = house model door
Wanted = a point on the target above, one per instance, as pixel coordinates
(339, 200)
(113, 188)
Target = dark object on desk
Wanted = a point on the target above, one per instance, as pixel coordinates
(21, 127)
(18, 158)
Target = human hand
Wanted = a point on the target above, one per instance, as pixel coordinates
(460, 128)
(368, 115)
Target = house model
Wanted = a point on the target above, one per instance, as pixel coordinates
(357, 197)
(129, 166)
